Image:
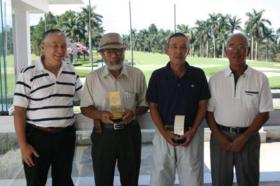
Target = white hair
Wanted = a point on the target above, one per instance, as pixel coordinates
(238, 34)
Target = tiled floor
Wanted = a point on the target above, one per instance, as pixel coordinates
(83, 175)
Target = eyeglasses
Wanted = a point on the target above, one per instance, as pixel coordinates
(178, 47)
(110, 52)
(237, 47)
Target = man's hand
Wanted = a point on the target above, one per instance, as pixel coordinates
(188, 136)
(106, 117)
(225, 143)
(27, 151)
(169, 137)
(128, 115)
(238, 143)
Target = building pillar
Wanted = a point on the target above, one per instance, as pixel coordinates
(22, 46)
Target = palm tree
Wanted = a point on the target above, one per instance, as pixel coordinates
(74, 29)
(183, 28)
(255, 27)
(269, 39)
(234, 23)
(214, 25)
(88, 15)
(163, 37)
(223, 31)
(278, 36)
(152, 38)
(202, 36)
(50, 21)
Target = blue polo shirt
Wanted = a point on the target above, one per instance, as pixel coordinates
(177, 96)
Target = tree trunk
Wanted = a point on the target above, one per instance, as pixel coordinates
(214, 44)
(252, 49)
(207, 48)
(223, 50)
(256, 51)
(266, 54)
(200, 50)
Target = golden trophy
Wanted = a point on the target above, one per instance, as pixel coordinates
(115, 105)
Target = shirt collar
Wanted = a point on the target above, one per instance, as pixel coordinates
(106, 72)
(39, 65)
(187, 67)
(228, 71)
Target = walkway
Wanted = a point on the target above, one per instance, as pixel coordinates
(83, 176)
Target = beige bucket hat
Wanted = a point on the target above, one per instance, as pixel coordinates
(111, 41)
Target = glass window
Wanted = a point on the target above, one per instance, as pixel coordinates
(7, 72)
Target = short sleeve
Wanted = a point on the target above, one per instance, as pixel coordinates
(152, 92)
(78, 88)
(86, 94)
(22, 91)
(266, 103)
(205, 93)
(141, 100)
(212, 102)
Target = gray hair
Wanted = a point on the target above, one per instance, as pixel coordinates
(237, 34)
(49, 32)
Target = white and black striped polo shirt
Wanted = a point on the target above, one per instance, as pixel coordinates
(48, 99)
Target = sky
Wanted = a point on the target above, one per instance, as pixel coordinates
(161, 12)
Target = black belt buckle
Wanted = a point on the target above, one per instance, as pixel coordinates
(118, 126)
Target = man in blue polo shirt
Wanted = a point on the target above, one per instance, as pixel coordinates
(177, 96)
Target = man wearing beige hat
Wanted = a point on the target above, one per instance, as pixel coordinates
(113, 96)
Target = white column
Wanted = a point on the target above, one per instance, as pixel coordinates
(22, 45)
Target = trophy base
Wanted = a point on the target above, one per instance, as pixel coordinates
(117, 120)
(179, 140)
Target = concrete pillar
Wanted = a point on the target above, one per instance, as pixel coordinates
(22, 46)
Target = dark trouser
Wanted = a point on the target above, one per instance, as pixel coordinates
(55, 149)
(246, 162)
(121, 146)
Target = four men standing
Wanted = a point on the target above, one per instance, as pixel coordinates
(114, 95)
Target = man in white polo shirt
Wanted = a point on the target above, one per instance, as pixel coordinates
(44, 116)
(114, 95)
(240, 104)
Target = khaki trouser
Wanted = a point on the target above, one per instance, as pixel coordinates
(187, 161)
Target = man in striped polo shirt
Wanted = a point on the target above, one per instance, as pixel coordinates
(44, 116)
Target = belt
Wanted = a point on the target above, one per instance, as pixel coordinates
(119, 126)
(236, 130)
(171, 128)
(52, 130)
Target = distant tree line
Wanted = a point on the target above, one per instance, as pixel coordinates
(208, 37)
(74, 24)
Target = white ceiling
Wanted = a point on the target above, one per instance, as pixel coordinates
(66, 1)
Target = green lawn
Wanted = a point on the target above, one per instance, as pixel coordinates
(148, 62)
(10, 74)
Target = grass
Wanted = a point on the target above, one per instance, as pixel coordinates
(148, 62)
(10, 75)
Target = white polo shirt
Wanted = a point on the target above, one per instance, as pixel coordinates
(130, 84)
(48, 99)
(237, 105)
